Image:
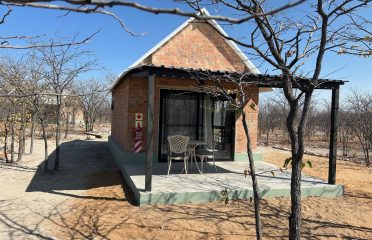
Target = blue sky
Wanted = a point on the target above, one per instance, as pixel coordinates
(115, 49)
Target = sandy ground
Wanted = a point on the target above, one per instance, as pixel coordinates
(86, 200)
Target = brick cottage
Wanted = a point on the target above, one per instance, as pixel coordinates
(165, 93)
(178, 105)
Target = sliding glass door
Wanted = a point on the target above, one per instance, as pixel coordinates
(198, 116)
(223, 120)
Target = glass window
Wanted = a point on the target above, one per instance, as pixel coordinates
(198, 116)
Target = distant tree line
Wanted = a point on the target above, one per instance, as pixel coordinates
(41, 89)
(355, 125)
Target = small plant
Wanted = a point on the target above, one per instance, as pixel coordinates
(225, 196)
(288, 161)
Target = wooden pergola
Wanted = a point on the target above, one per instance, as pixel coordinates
(260, 80)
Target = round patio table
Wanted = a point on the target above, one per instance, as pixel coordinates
(193, 144)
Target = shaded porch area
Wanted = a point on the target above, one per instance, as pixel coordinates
(262, 81)
(200, 188)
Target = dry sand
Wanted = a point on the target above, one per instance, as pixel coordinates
(86, 200)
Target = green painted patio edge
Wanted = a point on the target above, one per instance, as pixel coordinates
(213, 196)
(148, 198)
(125, 157)
(121, 158)
(328, 191)
(239, 157)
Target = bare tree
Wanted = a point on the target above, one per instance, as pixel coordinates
(323, 117)
(70, 109)
(21, 81)
(36, 85)
(12, 74)
(92, 94)
(104, 111)
(8, 118)
(360, 109)
(287, 42)
(288, 55)
(272, 115)
(31, 42)
(345, 131)
(32, 131)
(264, 120)
(98, 7)
(267, 118)
(240, 96)
(62, 65)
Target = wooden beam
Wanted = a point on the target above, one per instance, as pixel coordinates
(150, 131)
(261, 80)
(140, 74)
(333, 136)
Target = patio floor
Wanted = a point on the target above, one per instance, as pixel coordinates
(199, 188)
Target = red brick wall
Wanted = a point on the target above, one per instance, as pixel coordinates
(130, 97)
(198, 45)
(119, 119)
(137, 102)
(252, 122)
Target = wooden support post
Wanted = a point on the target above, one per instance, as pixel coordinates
(150, 131)
(333, 136)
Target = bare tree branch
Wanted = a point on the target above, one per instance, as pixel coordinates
(6, 15)
(6, 45)
(97, 9)
(102, 4)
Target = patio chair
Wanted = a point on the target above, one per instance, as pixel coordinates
(207, 153)
(178, 150)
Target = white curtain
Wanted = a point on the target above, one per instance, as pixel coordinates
(207, 112)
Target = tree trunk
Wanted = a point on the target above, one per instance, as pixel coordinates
(6, 141)
(252, 169)
(58, 133)
(365, 146)
(21, 137)
(345, 143)
(73, 117)
(67, 126)
(24, 139)
(86, 125)
(308, 135)
(12, 139)
(46, 161)
(21, 143)
(92, 124)
(32, 137)
(367, 158)
(100, 119)
(295, 216)
(298, 149)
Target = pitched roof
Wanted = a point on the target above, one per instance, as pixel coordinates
(232, 44)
